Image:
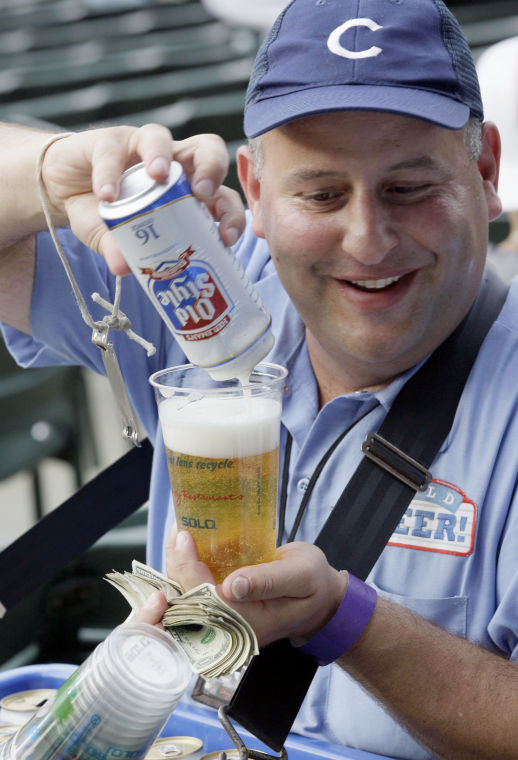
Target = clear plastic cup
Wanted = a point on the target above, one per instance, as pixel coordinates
(114, 705)
(222, 446)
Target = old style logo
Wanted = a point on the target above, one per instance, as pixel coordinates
(192, 296)
(442, 519)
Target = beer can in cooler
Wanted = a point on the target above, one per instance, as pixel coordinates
(19, 707)
(189, 747)
(173, 247)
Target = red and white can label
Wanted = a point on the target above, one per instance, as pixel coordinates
(190, 293)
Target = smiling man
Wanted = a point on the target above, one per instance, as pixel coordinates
(370, 180)
(373, 220)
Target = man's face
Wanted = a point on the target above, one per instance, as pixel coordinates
(377, 225)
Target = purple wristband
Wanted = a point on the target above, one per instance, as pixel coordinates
(346, 625)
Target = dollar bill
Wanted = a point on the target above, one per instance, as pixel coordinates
(217, 639)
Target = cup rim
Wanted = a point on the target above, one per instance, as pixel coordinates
(222, 387)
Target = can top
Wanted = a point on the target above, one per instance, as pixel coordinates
(26, 701)
(174, 747)
(138, 189)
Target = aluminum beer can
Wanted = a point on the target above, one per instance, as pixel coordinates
(189, 747)
(173, 247)
(20, 706)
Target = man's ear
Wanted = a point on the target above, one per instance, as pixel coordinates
(489, 167)
(251, 187)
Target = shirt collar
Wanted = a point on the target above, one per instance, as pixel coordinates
(290, 350)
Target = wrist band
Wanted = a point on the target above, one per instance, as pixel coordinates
(346, 625)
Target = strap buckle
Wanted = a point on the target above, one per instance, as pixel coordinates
(395, 461)
(131, 430)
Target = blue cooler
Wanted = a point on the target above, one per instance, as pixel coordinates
(199, 721)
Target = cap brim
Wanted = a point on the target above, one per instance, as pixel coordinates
(264, 115)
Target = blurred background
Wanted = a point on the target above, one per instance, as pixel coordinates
(75, 64)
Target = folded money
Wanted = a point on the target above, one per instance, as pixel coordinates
(216, 638)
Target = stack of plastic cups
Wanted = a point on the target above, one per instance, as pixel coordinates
(114, 705)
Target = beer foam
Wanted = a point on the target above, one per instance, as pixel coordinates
(213, 427)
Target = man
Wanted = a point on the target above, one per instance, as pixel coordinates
(370, 185)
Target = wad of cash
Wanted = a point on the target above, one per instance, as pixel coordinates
(216, 639)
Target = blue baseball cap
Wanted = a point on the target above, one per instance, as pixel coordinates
(408, 57)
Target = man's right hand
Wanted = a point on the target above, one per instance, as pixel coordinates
(85, 167)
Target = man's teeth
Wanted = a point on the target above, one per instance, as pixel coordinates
(374, 284)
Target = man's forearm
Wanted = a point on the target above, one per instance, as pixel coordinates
(19, 199)
(22, 217)
(458, 699)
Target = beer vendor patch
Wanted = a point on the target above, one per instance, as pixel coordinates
(192, 296)
(442, 519)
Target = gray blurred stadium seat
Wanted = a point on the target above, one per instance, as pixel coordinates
(44, 412)
(73, 66)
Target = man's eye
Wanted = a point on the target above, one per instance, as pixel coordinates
(409, 189)
(325, 196)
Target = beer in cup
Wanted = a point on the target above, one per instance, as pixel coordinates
(222, 445)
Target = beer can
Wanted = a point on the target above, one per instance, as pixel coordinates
(173, 247)
(20, 706)
(175, 747)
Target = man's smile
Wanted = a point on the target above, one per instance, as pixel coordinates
(374, 284)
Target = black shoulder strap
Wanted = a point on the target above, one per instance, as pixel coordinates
(275, 683)
(75, 525)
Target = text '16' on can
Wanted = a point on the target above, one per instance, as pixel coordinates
(173, 247)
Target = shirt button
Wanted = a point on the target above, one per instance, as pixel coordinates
(303, 484)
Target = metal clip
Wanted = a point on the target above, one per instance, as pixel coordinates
(244, 752)
(130, 430)
(395, 461)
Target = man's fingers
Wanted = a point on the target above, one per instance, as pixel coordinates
(117, 264)
(90, 228)
(292, 574)
(227, 208)
(154, 145)
(292, 596)
(205, 160)
(183, 562)
(108, 159)
(116, 150)
(153, 610)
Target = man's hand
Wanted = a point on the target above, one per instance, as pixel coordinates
(153, 610)
(294, 596)
(84, 168)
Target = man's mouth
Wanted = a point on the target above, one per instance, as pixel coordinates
(374, 285)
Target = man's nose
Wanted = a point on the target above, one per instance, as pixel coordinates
(369, 231)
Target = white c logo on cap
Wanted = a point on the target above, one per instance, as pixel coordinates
(333, 42)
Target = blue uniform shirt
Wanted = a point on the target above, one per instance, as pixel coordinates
(453, 558)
